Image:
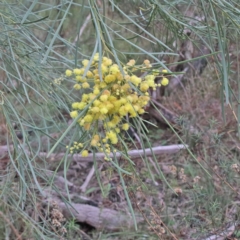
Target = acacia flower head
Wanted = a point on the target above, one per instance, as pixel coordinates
(110, 95)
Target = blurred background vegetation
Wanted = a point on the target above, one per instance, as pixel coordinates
(39, 40)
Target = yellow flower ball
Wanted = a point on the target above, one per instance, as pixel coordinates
(96, 57)
(85, 62)
(104, 110)
(74, 114)
(104, 98)
(108, 62)
(141, 111)
(125, 126)
(77, 71)
(75, 105)
(114, 69)
(88, 118)
(85, 85)
(144, 86)
(96, 91)
(96, 103)
(68, 73)
(96, 137)
(84, 153)
(77, 86)
(89, 74)
(146, 62)
(81, 105)
(110, 78)
(131, 62)
(164, 81)
(164, 71)
(94, 142)
(95, 109)
(135, 80)
(104, 69)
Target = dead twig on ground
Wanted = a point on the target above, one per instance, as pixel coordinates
(100, 218)
(88, 178)
(133, 154)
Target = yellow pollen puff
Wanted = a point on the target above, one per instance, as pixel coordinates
(68, 73)
(110, 78)
(108, 62)
(84, 153)
(77, 71)
(88, 118)
(119, 76)
(129, 98)
(150, 77)
(125, 126)
(74, 114)
(135, 80)
(95, 109)
(89, 74)
(85, 97)
(104, 98)
(96, 103)
(94, 142)
(85, 85)
(104, 68)
(103, 85)
(122, 111)
(164, 81)
(85, 62)
(75, 105)
(114, 69)
(96, 137)
(131, 62)
(146, 62)
(96, 57)
(77, 86)
(80, 79)
(144, 86)
(96, 91)
(104, 110)
(81, 105)
(164, 71)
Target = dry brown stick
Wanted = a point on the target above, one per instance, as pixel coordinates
(133, 154)
(100, 218)
(88, 178)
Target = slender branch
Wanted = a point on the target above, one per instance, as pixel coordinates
(133, 154)
(100, 218)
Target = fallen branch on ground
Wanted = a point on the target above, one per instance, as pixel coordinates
(133, 154)
(100, 218)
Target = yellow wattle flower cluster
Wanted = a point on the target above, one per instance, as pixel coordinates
(114, 94)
